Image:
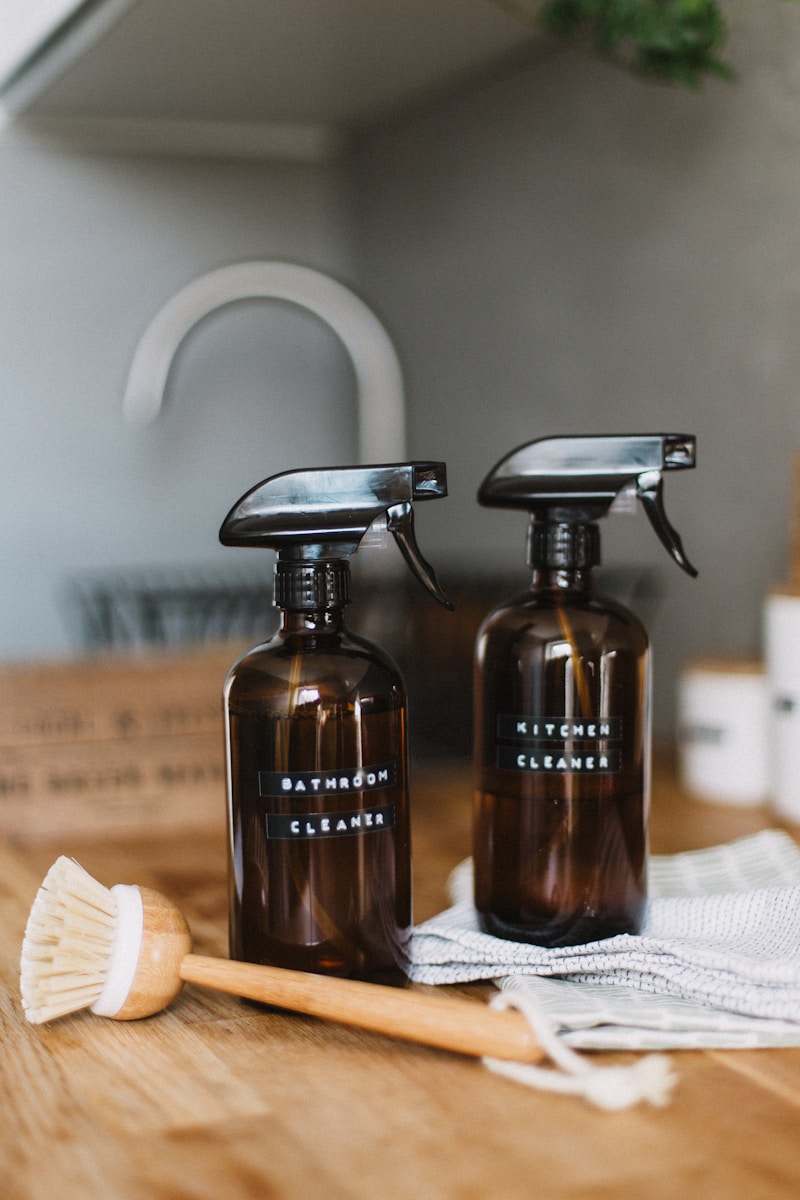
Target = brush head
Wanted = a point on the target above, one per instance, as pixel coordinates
(116, 951)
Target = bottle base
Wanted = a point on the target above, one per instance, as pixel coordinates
(391, 975)
(569, 929)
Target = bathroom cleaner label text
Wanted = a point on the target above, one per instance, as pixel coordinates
(326, 783)
(331, 824)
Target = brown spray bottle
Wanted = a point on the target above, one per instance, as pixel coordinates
(319, 843)
(562, 701)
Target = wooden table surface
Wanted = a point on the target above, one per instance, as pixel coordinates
(214, 1099)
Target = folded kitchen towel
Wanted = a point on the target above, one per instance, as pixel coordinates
(716, 964)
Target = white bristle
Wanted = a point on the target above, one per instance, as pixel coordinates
(68, 943)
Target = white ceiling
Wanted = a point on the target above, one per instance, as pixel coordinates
(331, 62)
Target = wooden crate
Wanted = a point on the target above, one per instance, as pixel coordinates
(113, 746)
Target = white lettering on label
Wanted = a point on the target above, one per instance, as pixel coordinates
(552, 762)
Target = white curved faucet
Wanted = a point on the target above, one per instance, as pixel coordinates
(381, 405)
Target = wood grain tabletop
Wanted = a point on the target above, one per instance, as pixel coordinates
(221, 1100)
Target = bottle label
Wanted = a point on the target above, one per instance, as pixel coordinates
(559, 745)
(301, 785)
(326, 783)
(325, 825)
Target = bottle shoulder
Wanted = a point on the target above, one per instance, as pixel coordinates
(546, 616)
(336, 665)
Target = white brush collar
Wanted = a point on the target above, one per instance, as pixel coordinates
(125, 950)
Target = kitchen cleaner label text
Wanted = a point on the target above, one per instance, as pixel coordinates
(559, 745)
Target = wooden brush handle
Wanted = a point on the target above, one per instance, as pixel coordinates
(463, 1026)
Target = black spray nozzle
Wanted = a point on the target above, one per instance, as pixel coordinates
(322, 514)
(571, 480)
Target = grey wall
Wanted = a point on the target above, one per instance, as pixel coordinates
(564, 249)
(91, 247)
(571, 250)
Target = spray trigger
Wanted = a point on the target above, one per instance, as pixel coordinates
(625, 500)
(376, 537)
(400, 522)
(650, 490)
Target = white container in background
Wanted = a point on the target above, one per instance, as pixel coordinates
(782, 653)
(723, 743)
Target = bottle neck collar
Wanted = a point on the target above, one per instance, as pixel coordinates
(306, 586)
(561, 546)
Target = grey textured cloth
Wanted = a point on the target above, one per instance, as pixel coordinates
(717, 962)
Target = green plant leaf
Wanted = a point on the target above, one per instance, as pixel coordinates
(677, 41)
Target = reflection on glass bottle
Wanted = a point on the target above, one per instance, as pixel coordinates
(319, 841)
(562, 702)
(562, 748)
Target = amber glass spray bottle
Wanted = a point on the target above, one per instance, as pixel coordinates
(319, 843)
(562, 701)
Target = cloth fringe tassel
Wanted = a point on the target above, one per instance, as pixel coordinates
(650, 1079)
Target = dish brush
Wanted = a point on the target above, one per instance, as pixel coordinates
(125, 952)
